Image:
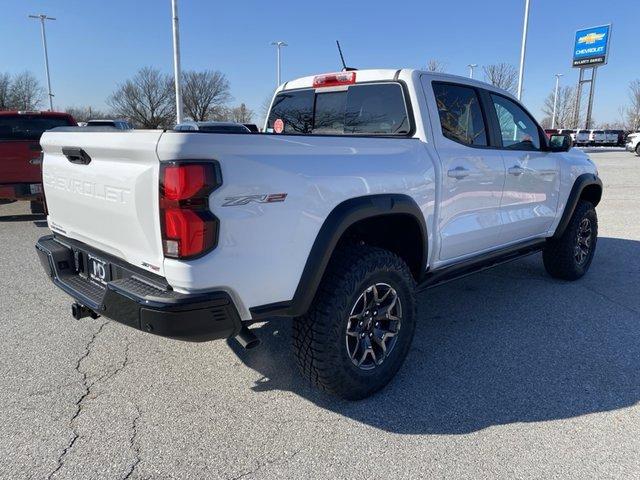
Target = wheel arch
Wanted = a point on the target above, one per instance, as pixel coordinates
(586, 187)
(343, 219)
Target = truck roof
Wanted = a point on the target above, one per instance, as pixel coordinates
(387, 74)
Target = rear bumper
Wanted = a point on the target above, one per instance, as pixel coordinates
(21, 191)
(136, 298)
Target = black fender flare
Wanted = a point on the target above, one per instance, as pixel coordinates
(582, 182)
(337, 222)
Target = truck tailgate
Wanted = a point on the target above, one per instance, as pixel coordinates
(108, 196)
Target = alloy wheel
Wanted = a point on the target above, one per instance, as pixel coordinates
(373, 325)
(583, 242)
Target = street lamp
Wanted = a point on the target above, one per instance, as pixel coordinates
(523, 48)
(471, 67)
(278, 45)
(177, 75)
(555, 100)
(42, 19)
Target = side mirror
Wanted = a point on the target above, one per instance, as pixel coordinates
(560, 143)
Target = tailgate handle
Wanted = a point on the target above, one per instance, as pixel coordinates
(76, 155)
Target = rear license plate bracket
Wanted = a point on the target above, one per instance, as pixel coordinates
(99, 270)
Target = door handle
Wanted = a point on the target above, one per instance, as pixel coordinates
(76, 155)
(458, 173)
(516, 170)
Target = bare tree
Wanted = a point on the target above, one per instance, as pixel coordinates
(265, 107)
(241, 114)
(436, 66)
(147, 99)
(205, 94)
(502, 75)
(633, 111)
(83, 114)
(25, 92)
(565, 107)
(5, 88)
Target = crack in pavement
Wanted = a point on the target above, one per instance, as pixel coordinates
(79, 405)
(113, 373)
(133, 444)
(277, 461)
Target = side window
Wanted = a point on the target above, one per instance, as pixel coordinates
(460, 114)
(517, 128)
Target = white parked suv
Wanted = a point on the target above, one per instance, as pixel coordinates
(582, 137)
(372, 184)
(597, 137)
(633, 143)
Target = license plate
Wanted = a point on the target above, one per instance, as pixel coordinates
(99, 270)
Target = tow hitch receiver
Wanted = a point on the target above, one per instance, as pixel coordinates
(80, 311)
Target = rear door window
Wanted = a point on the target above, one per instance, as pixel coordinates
(366, 109)
(460, 114)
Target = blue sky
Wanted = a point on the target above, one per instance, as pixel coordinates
(94, 45)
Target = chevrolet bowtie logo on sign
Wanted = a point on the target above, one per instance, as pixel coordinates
(591, 46)
(591, 38)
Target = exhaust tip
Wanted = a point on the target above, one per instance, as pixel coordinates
(247, 338)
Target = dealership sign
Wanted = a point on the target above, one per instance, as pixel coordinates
(591, 46)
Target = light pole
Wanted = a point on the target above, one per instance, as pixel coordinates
(278, 45)
(42, 19)
(523, 48)
(555, 100)
(177, 75)
(471, 67)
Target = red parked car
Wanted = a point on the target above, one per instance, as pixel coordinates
(20, 153)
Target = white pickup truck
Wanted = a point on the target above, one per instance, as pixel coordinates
(365, 187)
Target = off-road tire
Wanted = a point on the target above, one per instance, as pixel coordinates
(638, 149)
(319, 336)
(559, 255)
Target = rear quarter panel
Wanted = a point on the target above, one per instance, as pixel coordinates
(263, 248)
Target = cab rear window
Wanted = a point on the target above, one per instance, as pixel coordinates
(366, 109)
(27, 127)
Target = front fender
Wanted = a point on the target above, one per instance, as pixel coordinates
(584, 181)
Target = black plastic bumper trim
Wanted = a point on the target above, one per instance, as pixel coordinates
(141, 304)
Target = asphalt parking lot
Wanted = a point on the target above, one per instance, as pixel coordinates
(511, 375)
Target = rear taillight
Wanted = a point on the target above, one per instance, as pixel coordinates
(334, 79)
(189, 229)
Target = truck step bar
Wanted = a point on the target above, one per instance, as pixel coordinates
(478, 264)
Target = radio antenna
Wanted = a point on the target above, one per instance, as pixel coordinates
(344, 65)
